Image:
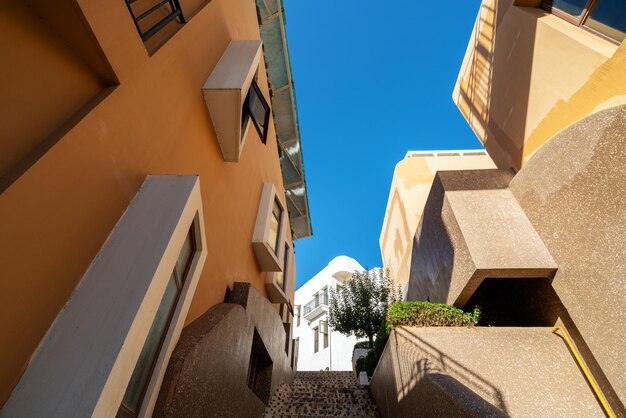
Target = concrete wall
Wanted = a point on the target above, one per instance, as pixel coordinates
(58, 205)
(528, 74)
(472, 229)
(479, 372)
(411, 183)
(338, 355)
(207, 376)
(579, 211)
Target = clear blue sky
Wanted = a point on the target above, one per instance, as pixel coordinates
(373, 80)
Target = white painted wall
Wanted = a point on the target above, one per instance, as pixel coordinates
(338, 354)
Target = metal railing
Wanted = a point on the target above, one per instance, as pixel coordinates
(320, 299)
(586, 372)
(175, 13)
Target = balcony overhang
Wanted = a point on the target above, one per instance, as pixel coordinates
(315, 312)
(285, 110)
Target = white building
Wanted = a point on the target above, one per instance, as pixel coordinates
(319, 347)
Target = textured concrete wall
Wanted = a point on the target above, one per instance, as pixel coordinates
(207, 374)
(412, 179)
(574, 192)
(472, 229)
(480, 372)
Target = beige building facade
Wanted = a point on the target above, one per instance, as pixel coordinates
(529, 73)
(150, 173)
(539, 242)
(412, 179)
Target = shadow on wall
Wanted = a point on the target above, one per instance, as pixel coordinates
(435, 247)
(431, 270)
(426, 387)
(501, 63)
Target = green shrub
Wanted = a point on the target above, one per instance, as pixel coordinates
(370, 361)
(427, 314)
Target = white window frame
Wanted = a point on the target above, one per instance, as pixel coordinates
(225, 93)
(268, 259)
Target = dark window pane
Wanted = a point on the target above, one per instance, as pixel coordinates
(150, 349)
(274, 234)
(185, 256)
(609, 17)
(572, 7)
(258, 109)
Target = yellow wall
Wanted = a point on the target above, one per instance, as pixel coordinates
(528, 74)
(410, 187)
(56, 215)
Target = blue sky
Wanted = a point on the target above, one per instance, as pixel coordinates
(373, 80)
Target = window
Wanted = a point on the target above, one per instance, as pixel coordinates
(298, 314)
(234, 99)
(268, 239)
(152, 17)
(278, 283)
(260, 369)
(316, 339)
(606, 17)
(294, 354)
(274, 233)
(257, 111)
(324, 331)
(131, 403)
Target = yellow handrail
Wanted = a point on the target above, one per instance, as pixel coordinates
(582, 365)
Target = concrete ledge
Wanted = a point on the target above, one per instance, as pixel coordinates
(477, 372)
(473, 228)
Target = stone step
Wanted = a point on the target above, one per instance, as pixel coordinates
(322, 394)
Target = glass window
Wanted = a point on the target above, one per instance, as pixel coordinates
(281, 275)
(316, 339)
(274, 234)
(571, 7)
(131, 403)
(609, 18)
(185, 256)
(257, 109)
(143, 368)
(298, 314)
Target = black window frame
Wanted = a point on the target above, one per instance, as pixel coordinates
(176, 13)
(248, 115)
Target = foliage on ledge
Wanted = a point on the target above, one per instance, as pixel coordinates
(428, 314)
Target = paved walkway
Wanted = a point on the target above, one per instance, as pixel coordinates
(322, 394)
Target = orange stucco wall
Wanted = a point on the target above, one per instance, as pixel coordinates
(56, 215)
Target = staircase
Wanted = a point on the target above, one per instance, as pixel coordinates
(322, 394)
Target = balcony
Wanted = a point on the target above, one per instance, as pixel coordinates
(316, 306)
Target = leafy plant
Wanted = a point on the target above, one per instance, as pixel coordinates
(360, 305)
(428, 314)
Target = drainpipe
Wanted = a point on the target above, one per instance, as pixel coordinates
(330, 347)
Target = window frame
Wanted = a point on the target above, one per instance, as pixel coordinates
(124, 411)
(269, 260)
(316, 339)
(325, 334)
(578, 20)
(248, 115)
